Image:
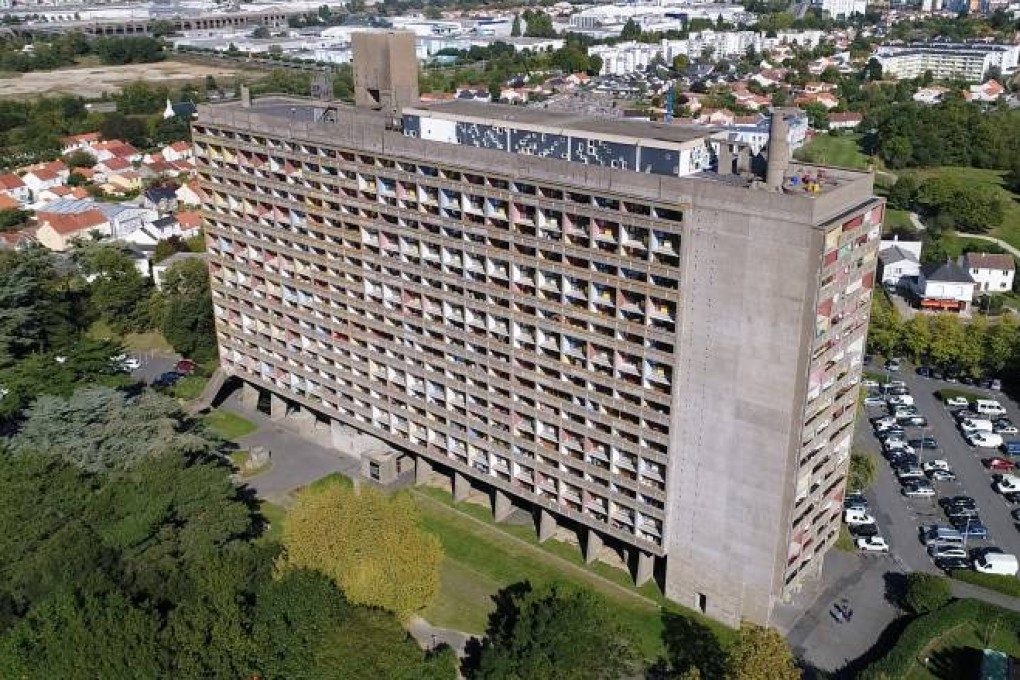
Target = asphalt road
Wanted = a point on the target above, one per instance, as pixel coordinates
(153, 365)
(899, 517)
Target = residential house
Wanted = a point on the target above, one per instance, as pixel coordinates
(817, 87)
(930, 95)
(985, 92)
(17, 240)
(178, 151)
(770, 76)
(179, 110)
(826, 99)
(115, 148)
(125, 180)
(59, 193)
(848, 120)
(899, 262)
(113, 164)
(991, 273)
(15, 187)
(45, 176)
(122, 218)
(58, 230)
(716, 116)
(189, 222)
(190, 193)
(752, 101)
(160, 198)
(80, 142)
(944, 286)
(9, 203)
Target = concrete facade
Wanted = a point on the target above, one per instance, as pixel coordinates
(669, 363)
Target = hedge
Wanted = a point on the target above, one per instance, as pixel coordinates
(920, 632)
(949, 392)
(1002, 583)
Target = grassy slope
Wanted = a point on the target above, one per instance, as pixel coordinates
(954, 654)
(841, 151)
(228, 425)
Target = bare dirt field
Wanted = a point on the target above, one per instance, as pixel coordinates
(92, 81)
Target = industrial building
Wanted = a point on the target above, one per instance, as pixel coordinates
(616, 325)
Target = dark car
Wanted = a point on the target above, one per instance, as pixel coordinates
(985, 383)
(864, 530)
(965, 502)
(966, 380)
(1015, 514)
(855, 499)
(935, 374)
(978, 553)
(913, 421)
(950, 563)
(1011, 497)
(972, 529)
(961, 515)
(868, 358)
(167, 379)
(924, 443)
(924, 371)
(900, 460)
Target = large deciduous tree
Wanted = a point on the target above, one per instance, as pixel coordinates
(370, 544)
(760, 654)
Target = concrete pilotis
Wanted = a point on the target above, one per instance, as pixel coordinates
(546, 525)
(249, 396)
(644, 567)
(502, 506)
(277, 407)
(422, 470)
(592, 545)
(461, 486)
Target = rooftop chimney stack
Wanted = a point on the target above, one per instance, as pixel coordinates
(245, 96)
(779, 148)
(725, 158)
(385, 70)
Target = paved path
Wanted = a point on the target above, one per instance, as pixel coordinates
(916, 221)
(429, 636)
(997, 241)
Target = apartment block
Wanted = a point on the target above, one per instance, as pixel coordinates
(613, 324)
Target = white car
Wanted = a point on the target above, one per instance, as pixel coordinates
(869, 384)
(1004, 429)
(874, 400)
(872, 544)
(936, 551)
(984, 440)
(857, 517)
(916, 490)
(900, 400)
(932, 465)
(131, 364)
(957, 401)
(1008, 484)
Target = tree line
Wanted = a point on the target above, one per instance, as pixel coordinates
(64, 50)
(977, 348)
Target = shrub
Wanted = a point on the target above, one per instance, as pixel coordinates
(898, 661)
(926, 593)
(1008, 585)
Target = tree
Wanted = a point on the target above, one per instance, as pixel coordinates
(681, 63)
(903, 192)
(947, 340)
(162, 28)
(538, 25)
(760, 654)
(552, 631)
(594, 65)
(79, 159)
(1012, 178)
(119, 126)
(925, 593)
(260, 33)
(371, 545)
(515, 29)
(873, 71)
(117, 290)
(862, 471)
(915, 336)
(631, 30)
(183, 309)
(13, 218)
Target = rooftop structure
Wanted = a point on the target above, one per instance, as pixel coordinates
(625, 327)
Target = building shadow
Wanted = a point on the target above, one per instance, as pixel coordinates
(689, 644)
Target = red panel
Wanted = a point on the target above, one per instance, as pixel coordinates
(825, 308)
(868, 280)
(854, 223)
(830, 257)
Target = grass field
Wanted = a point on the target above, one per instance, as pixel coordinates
(152, 341)
(957, 654)
(897, 220)
(89, 78)
(841, 151)
(274, 515)
(1009, 230)
(189, 387)
(228, 425)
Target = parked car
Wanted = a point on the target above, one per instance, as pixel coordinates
(856, 498)
(854, 517)
(912, 472)
(900, 400)
(924, 443)
(1011, 497)
(883, 421)
(942, 476)
(978, 553)
(168, 379)
(1006, 484)
(962, 520)
(937, 464)
(952, 563)
(900, 459)
(874, 400)
(863, 530)
(918, 489)
(998, 464)
(869, 384)
(935, 551)
(893, 364)
(958, 502)
(924, 371)
(872, 544)
(904, 411)
(913, 421)
(988, 407)
(996, 384)
(1005, 428)
(957, 402)
(969, 425)
(973, 529)
(1015, 514)
(984, 440)
(185, 366)
(997, 563)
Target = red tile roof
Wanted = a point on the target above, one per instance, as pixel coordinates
(189, 219)
(64, 223)
(8, 203)
(10, 181)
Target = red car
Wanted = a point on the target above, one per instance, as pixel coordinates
(185, 366)
(999, 464)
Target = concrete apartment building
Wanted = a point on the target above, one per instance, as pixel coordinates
(948, 61)
(605, 322)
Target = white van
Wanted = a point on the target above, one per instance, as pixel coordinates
(997, 563)
(988, 407)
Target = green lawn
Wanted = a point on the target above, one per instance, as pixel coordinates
(841, 151)
(152, 341)
(334, 478)
(274, 516)
(957, 654)
(189, 387)
(1009, 230)
(897, 221)
(479, 560)
(228, 425)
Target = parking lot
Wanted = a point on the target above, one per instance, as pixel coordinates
(898, 517)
